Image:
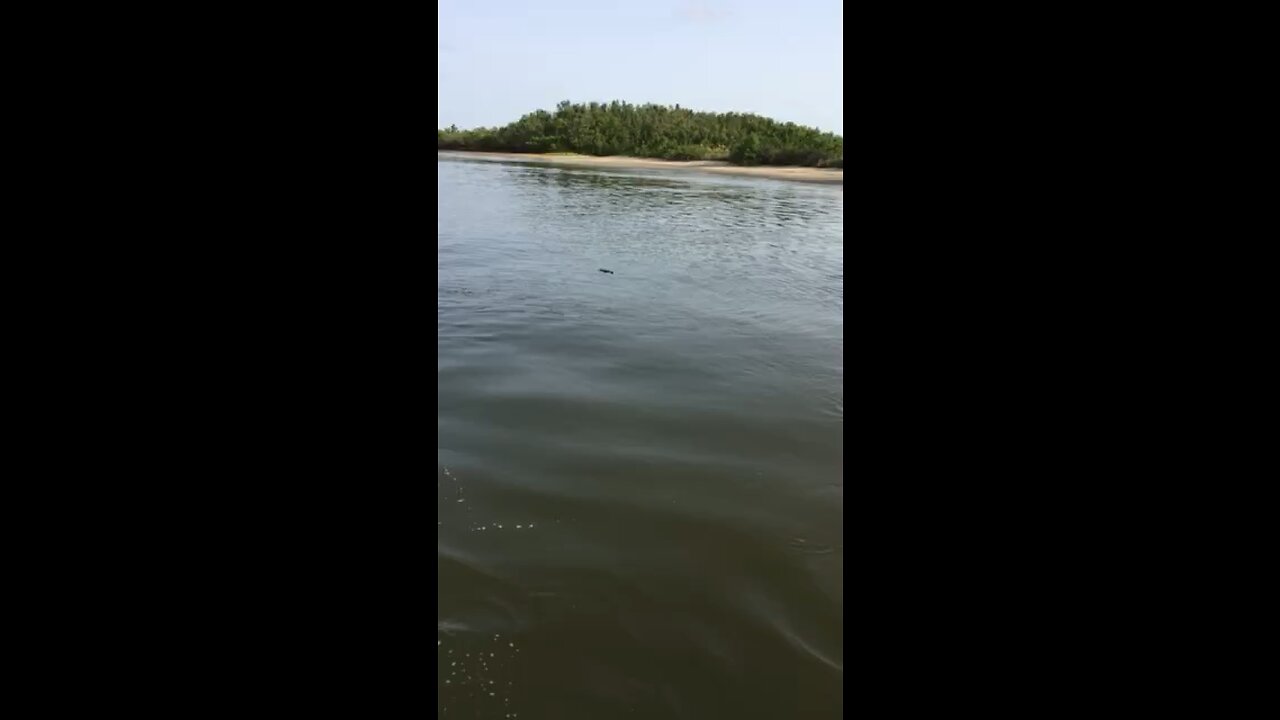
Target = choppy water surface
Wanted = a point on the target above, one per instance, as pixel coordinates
(639, 475)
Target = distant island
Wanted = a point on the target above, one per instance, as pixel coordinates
(654, 131)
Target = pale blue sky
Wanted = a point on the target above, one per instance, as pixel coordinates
(500, 59)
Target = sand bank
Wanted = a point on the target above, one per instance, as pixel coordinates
(801, 174)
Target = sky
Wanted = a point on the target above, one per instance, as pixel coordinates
(501, 59)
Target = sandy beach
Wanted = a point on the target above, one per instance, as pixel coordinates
(800, 174)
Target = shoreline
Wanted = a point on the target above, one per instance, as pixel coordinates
(772, 172)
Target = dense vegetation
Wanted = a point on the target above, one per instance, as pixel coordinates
(654, 131)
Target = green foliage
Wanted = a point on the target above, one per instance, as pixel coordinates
(657, 131)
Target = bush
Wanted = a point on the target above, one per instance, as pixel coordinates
(657, 131)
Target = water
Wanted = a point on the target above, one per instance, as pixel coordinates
(640, 475)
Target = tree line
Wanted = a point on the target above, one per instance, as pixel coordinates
(654, 131)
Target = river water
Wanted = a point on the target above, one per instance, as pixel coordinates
(640, 474)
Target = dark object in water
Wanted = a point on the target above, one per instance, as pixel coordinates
(606, 271)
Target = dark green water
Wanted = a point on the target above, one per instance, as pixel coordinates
(640, 475)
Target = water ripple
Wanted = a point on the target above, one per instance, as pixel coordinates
(640, 479)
